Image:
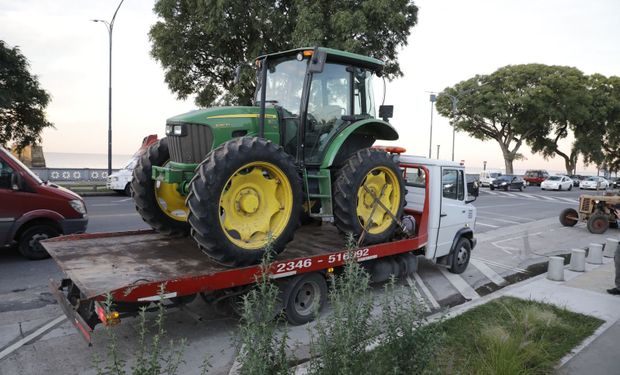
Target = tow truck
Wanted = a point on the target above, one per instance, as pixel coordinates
(438, 223)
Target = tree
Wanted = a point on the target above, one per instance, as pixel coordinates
(501, 106)
(22, 101)
(566, 98)
(200, 43)
(599, 137)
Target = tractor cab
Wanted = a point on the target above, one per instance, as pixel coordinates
(317, 94)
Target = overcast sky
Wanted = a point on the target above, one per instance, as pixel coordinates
(453, 41)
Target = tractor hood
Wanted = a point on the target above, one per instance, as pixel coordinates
(220, 115)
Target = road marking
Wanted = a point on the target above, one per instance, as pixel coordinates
(114, 215)
(502, 205)
(490, 192)
(486, 225)
(508, 194)
(417, 295)
(32, 336)
(103, 204)
(570, 200)
(547, 198)
(460, 284)
(488, 272)
(426, 291)
(504, 220)
(504, 215)
(502, 265)
(528, 195)
(124, 200)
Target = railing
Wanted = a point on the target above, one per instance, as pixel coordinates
(74, 175)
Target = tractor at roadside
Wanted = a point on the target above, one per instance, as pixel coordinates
(237, 178)
(598, 211)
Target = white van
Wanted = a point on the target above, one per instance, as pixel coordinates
(487, 177)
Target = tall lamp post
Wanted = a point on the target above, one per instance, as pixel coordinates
(110, 27)
(433, 99)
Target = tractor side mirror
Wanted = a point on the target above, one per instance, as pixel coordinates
(237, 78)
(386, 112)
(317, 61)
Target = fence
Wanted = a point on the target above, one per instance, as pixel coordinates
(75, 175)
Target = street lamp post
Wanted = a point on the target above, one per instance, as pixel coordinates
(110, 27)
(433, 99)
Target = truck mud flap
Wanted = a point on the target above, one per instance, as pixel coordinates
(73, 316)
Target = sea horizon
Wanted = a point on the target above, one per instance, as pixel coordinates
(84, 160)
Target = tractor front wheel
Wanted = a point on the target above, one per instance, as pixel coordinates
(159, 203)
(246, 194)
(569, 217)
(367, 178)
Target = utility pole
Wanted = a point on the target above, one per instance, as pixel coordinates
(110, 27)
(438, 152)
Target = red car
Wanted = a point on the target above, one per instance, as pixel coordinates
(32, 210)
(535, 176)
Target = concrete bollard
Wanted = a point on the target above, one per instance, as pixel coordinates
(610, 248)
(555, 270)
(578, 260)
(595, 253)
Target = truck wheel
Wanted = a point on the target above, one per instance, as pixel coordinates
(569, 217)
(305, 296)
(461, 255)
(29, 245)
(160, 204)
(367, 174)
(598, 223)
(246, 193)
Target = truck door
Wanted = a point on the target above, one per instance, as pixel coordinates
(453, 212)
(8, 209)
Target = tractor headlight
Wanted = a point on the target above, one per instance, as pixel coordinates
(176, 130)
(78, 206)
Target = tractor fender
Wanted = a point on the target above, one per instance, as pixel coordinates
(371, 129)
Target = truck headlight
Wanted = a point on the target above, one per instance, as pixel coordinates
(78, 206)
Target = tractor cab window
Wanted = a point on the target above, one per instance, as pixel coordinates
(362, 93)
(285, 80)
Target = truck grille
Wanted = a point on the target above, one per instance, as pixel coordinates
(193, 147)
(584, 204)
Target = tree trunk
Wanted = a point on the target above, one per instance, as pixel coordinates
(508, 157)
(508, 164)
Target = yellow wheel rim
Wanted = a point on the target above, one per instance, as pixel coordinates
(256, 202)
(381, 182)
(170, 201)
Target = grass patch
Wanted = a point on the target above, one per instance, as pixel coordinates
(510, 336)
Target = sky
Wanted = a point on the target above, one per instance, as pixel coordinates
(453, 41)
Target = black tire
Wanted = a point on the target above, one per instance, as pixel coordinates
(559, 187)
(127, 190)
(566, 217)
(349, 178)
(570, 187)
(206, 187)
(506, 188)
(305, 296)
(491, 187)
(461, 256)
(143, 187)
(598, 223)
(521, 188)
(29, 245)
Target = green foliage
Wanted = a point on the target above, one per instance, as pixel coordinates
(200, 43)
(150, 358)
(263, 343)
(511, 336)
(22, 101)
(339, 341)
(532, 103)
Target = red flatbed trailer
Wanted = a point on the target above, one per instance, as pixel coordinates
(132, 266)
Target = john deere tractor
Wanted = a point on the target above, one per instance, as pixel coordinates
(238, 178)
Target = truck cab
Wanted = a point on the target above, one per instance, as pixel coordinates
(451, 216)
(32, 210)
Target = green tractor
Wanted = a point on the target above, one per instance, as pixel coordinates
(238, 178)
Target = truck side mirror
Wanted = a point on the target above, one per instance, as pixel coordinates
(16, 181)
(386, 112)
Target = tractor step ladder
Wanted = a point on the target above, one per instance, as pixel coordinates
(323, 177)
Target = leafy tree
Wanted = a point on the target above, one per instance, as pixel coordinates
(567, 101)
(200, 43)
(22, 101)
(599, 137)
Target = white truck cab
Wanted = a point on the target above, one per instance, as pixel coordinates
(487, 177)
(451, 216)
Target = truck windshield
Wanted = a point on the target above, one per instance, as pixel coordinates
(285, 81)
(4, 154)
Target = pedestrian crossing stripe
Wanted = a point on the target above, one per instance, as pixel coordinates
(531, 196)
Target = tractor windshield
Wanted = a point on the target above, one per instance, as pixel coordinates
(285, 81)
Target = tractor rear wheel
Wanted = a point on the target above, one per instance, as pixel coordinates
(160, 204)
(569, 217)
(598, 223)
(367, 175)
(246, 194)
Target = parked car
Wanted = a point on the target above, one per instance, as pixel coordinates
(576, 179)
(535, 176)
(594, 182)
(614, 182)
(32, 210)
(557, 183)
(507, 182)
(487, 177)
(120, 181)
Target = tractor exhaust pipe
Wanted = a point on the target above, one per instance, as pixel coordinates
(263, 96)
